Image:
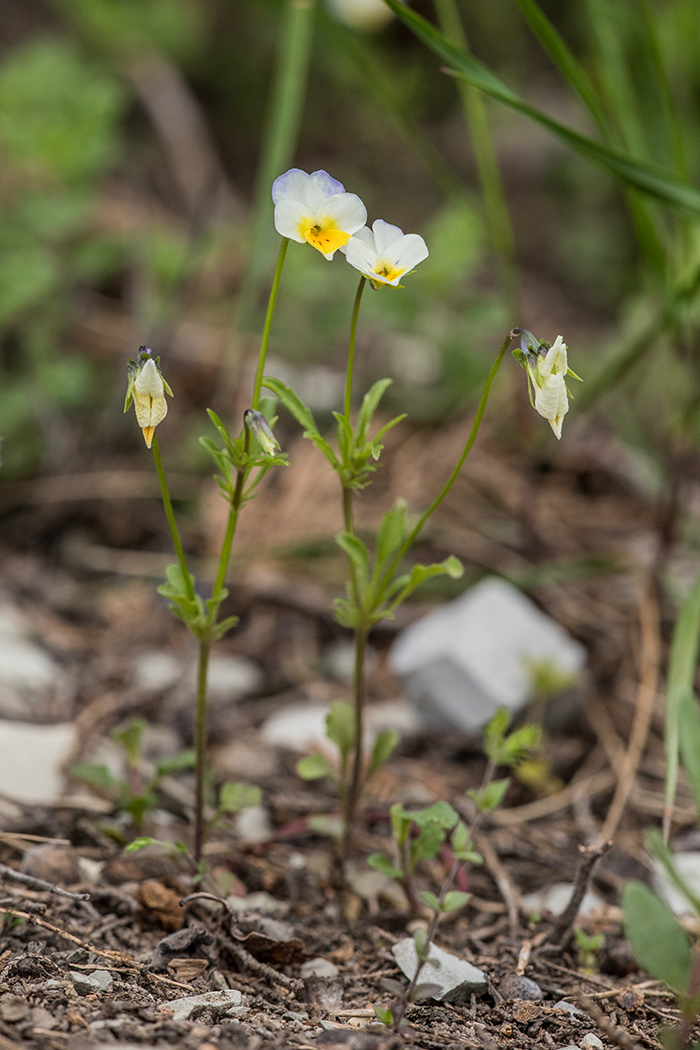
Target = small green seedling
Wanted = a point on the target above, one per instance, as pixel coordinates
(587, 945)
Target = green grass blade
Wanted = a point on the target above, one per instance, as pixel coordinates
(565, 61)
(681, 672)
(652, 179)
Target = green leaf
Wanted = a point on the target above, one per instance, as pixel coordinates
(431, 900)
(237, 795)
(391, 533)
(657, 846)
(221, 628)
(401, 822)
(658, 941)
(139, 843)
(490, 797)
(440, 813)
(384, 746)
(355, 550)
(183, 760)
(313, 767)
(384, 1015)
(340, 726)
(427, 844)
(293, 403)
(130, 739)
(461, 837)
(96, 774)
(650, 178)
(370, 403)
(689, 727)
(381, 863)
(681, 673)
(455, 900)
(420, 940)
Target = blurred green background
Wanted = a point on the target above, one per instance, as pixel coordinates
(134, 139)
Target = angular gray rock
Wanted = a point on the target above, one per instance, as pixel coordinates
(463, 661)
(456, 977)
(221, 1004)
(97, 981)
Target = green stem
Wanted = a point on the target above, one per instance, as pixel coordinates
(225, 556)
(281, 134)
(200, 745)
(351, 347)
(354, 791)
(262, 354)
(174, 531)
(388, 575)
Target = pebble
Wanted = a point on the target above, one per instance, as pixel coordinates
(156, 670)
(466, 659)
(222, 1004)
(97, 981)
(515, 986)
(52, 863)
(318, 968)
(555, 899)
(302, 727)
(688, 867)
(456, 978)
(570, 1008)
(591, 1042)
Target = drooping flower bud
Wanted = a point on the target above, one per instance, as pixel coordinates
(546, 367)
(146, 388)
(261, 431)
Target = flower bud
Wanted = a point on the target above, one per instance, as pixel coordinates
(261, 431)
(147, 390)
(546, 367)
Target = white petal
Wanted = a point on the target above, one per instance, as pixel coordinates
(408, 251)
(385, 235)
(320, 187)
(555, 358)
(361, 255)
(289, 214)
(365, 235)
(552, 401)
(311, 190)
(148, 382)
(345, 212)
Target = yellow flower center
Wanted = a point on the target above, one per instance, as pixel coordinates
(322, 234)
(386, 271)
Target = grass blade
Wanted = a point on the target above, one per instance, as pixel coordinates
(681, 672)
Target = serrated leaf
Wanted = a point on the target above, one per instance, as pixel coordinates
(340, 726)
(658, 941)
(381, 863)
(454, 900)
(384, 746)
(237, 795)
(220, 629)
(440, 813)
(313, 767)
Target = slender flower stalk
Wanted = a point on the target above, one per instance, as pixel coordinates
(170, 515)
(264, 342)
(347, 407)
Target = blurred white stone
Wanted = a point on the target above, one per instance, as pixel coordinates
(253, 825)
(456, 977)
(156, 670)
(555, 898)
(688, 866)
(25, 667)
(591, 1042)
(32, 759)
(463, 661)
(221, 1004)
(319, 967)
(232, 677)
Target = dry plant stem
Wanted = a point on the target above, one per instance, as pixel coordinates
(589, 858)
(648, 683)
(39, 884)
(506, 887)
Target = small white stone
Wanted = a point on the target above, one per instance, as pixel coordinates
(221, 1003)
(591, 1042)
(253, 825)
(32, 758)
(554, 899)
(87, 983)
(261, 902)
(456, 977)
(302, 727)
(318, 968)
(569, 1008)
(156, 670)
(232, 677)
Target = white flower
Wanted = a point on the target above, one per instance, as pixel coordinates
(361, 14)
(316, 208)
(147, 390)
(547, 377)
(385, 253)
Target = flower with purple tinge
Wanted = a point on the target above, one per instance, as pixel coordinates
(316, 209)
(385, 253)
(146, 388)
